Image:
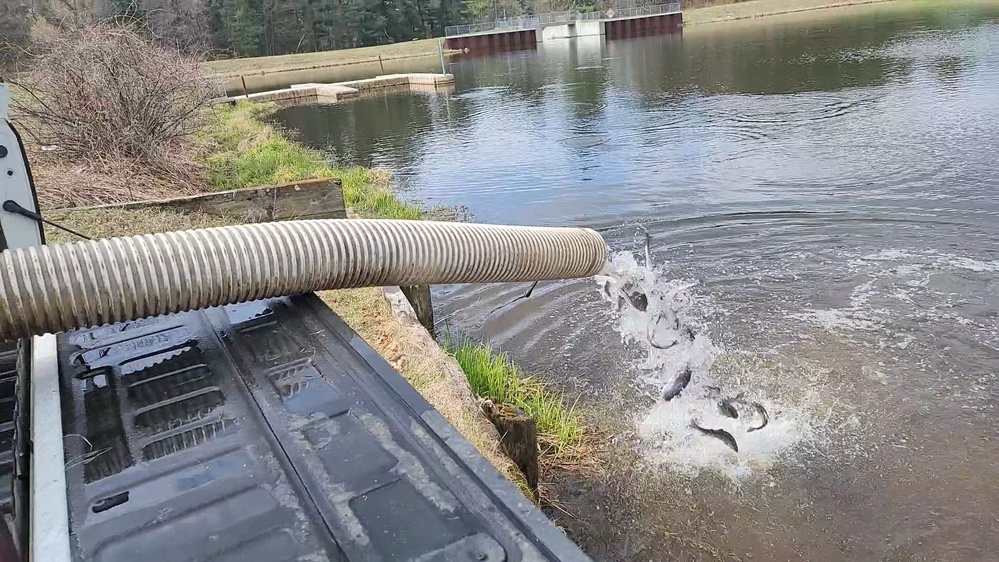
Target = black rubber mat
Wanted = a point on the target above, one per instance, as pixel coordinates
(271, 432)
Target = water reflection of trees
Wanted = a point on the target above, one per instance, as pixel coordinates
(380, 126)
(570, 85)
(759, 60)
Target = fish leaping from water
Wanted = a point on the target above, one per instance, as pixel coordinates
(720, 434)
(677, 385)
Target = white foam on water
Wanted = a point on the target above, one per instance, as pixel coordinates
(900, 284)
(971, 264)
(834, 319)
(925, 260)
(667, 436)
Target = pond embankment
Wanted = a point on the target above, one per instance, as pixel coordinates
(714, 11)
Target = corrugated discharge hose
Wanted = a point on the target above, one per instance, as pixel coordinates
(51, 289)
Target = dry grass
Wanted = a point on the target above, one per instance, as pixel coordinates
(66, 183)
(105, 223)
(324, 59)
(109, 92)
(763, 8)
(367, 312)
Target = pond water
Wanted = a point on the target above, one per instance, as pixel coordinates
(822, 197)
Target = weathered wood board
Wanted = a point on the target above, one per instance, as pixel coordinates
(309, 199)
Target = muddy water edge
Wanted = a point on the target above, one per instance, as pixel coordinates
(820, 194)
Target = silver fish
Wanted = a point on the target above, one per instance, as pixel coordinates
(720, 434)
(725, 404)
(637, 298)
(648, 243)
(762, 413)
(677, 385)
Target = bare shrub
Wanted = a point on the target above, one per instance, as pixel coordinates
(104, 93)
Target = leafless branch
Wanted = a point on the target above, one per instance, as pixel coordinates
(108, 92)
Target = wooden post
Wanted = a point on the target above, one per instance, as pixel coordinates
(519, 438)
(440, 46)
(419, 297)
(246, 94)
(382, 66)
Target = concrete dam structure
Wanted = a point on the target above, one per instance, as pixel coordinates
(526, 32)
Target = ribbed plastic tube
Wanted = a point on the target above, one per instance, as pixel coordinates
(51, 289)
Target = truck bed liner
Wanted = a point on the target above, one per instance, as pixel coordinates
(270, 432)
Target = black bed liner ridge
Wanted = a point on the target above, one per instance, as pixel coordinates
(270, 431)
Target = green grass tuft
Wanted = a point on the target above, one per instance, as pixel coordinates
(244, 151)
(367, 191)
(493, 375)
(274, 161)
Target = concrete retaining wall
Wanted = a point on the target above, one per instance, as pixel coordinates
(587, 28)
(299, 94)
(572, 29)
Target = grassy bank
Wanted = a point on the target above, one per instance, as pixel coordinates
(242, 150)
(494, 376)
(764, 8)
(325, 59)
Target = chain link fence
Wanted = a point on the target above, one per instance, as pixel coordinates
(509, 24)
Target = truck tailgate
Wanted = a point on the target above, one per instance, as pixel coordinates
(269, 431)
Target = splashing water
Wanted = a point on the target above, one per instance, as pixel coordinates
(675, 340)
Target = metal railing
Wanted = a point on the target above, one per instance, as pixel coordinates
(550, 18)
(655, 9)
(509, 24)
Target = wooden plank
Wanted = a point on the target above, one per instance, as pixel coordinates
(320, 199)
(309, 199)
